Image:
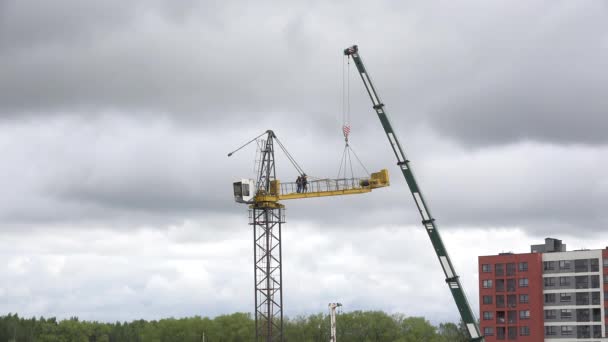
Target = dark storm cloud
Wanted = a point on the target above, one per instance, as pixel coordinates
(481, 74)
(30, 25)
(192, 62)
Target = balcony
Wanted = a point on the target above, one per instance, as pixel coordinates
(581, 265)
(500, 333)
(500, 301)
(500, 285)
(510, 270)
(500, 317)
(582, 298)
(499, 270)
(511, 301)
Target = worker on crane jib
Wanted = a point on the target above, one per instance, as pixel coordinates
(304, 183)
(299, 184)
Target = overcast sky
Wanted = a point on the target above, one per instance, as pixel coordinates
(116, 118)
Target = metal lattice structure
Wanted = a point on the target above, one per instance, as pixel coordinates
(267, 215)
(266, 218)
(268, 272)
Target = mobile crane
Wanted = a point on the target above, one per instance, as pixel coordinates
(428, 221)
(267, 215)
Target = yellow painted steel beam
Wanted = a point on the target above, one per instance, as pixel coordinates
(270, 198)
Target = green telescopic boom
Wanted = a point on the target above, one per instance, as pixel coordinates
(427, 219)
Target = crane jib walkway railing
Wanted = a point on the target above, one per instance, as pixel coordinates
(326, 185)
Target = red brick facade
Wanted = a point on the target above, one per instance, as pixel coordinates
(514, 282)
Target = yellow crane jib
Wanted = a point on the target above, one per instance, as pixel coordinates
(315, 188)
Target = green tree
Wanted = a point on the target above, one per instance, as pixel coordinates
(450, 332)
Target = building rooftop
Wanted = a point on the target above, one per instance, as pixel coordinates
(550, 245)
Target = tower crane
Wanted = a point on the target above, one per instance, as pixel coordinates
(267, 215)
(428, 221)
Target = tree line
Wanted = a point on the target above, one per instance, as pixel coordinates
(364, 326)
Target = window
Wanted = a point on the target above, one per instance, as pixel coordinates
(595, 264)
(564, 265)
(566, 314)
(500, 333)
(550, 314)
(511, 301)
(581, 282)
(500, 317)
(524, 331)
(595, 281)
(564, 281)
(511, 269)
(605, 262)
(523, 282)
(597, 331)
(550, 330)
(565, 297)
(523, 266)
(488, 331)
(583, 331)
(500, 301)
(500, 285)
(605, 278)
(512, 316)
(511, 284)
(582, 298)
(512, 333)
(523, 298)
(499, 269)
(581, 265)
(487, 284)
(550, 282)
(487, 299)
(567, 330)
(486, 268)
(488, 315)
(549, 265)
(524, 314)
(549, 298)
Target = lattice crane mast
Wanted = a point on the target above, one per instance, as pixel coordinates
(428, 221)
(267, 215)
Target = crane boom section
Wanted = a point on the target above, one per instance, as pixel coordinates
(428, 221)
(323, 188)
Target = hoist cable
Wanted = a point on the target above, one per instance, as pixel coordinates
(348, 92)
(350, 160)
(343, 90)
(341, 162)
(359, 160)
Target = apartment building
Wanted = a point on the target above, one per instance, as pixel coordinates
(549, 294)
